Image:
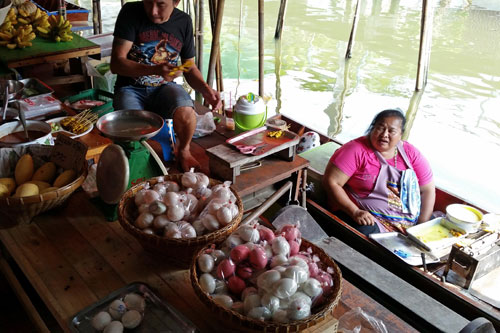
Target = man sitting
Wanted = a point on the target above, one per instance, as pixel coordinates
(149, 39)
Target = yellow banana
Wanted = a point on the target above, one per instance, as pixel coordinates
(42, 30)
(22, 12)
(11, 46)
(5, 36)
(23, 21)
(61, 21)
(57, 39)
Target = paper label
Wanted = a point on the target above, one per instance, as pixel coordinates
(68, 153)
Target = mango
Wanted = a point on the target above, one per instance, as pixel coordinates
(10, 183)
(65, 178)
(24, 169)
(4, 191)
(45, 173)
(48, 189)
(41, 185)
(26, 190)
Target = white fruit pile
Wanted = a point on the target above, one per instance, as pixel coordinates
(263, 275)
(185, 210)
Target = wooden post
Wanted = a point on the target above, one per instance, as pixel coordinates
(261, 48)
(424, 53)
(199, 40)
(214, 51)
(281, 20)
(353, 30)
(412, 113)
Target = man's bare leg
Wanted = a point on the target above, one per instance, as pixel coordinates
(184, 127)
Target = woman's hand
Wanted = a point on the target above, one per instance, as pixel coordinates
(362, 217)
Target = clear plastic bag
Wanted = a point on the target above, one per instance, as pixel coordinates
(358, 321)
(204, 125)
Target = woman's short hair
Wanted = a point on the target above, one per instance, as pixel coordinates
(397, 112)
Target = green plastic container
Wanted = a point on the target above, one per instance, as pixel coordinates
(97, 95)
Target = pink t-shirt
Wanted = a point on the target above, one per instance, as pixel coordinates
(358, 161)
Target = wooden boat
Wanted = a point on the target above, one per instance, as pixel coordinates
(429, 281)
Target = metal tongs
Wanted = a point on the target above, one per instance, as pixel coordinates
(5, 101)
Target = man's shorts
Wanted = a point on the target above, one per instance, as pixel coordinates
(163, 100)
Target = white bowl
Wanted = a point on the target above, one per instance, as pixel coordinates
(32, 125)
(463, 214)
(467, 227)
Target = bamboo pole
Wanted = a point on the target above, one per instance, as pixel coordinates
(218, 67)
(424, 52)
(261, 47)
(353, 29)
(214, 51)
(199, 9)
(281, 20)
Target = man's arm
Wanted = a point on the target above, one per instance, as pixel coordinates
(196, 81)
(126, 67)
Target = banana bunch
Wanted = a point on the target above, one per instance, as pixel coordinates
(37, 18)
(10, 20)
(59, 29)
(19, 37)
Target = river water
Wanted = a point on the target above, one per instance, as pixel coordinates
(455, 122)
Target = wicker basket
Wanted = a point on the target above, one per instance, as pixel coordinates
(318, 314)
(22, 210)
(182, 249)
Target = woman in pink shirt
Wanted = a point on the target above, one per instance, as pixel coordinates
(378, 182)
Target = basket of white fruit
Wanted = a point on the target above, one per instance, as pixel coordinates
(267, 281)
(176, 215)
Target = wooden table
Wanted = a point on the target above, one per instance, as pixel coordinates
(72, 258)
(46, 51)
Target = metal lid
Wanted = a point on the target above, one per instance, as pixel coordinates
(130, 125)
(112, 174)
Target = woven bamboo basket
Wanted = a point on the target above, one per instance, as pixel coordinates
(22, 210)
(182, 249)
(318, 313)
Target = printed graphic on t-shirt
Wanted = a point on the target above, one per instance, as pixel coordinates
(154, 52)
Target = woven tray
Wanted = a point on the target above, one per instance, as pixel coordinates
(182, 249)
(318, 314)
(22, 210)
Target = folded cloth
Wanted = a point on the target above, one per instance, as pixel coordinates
(410, 193)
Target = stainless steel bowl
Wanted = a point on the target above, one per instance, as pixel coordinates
(130, 125)
(15, 89)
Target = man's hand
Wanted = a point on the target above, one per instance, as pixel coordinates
(362, 217)
(212, 97)
(169, 72)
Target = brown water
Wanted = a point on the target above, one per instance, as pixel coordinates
(455, 122)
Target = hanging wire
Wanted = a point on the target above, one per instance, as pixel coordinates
(239, 39)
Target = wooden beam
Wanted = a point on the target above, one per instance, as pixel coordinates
(281, 20)
(353, 30)
(424, 52)
(214, 51)
(261, 47)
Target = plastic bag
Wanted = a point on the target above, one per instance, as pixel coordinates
(204, 125)
(103, 78)
(358, 321)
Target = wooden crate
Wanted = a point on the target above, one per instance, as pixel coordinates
(73, 12)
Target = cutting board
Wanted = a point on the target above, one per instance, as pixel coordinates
(226, 161)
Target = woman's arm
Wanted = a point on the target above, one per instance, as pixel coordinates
(333, 182)
(428, 197)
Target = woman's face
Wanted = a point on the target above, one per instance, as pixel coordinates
(386, 134)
